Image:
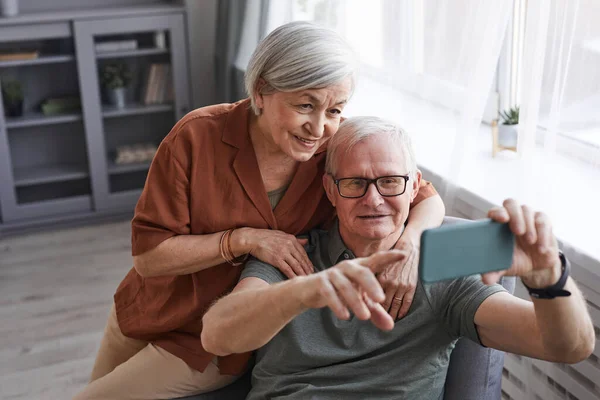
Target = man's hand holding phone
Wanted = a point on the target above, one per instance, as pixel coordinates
(535, 258)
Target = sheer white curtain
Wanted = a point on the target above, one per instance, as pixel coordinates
(428, 65)
(561, 84)
(559, 138)
(431, 66)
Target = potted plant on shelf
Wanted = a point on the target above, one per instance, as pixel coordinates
(115, 77)
(506, 134)
(12, 98)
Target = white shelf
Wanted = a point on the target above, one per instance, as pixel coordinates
(126, 168)
(48, 174)
(36, 119)
(131, 53)
(134, 109)
(91, 13)
(38, 61)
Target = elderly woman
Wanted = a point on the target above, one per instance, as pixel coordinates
(231, 180)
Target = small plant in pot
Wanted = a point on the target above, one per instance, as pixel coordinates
(12, 98)
(509, 129)
(115, 77)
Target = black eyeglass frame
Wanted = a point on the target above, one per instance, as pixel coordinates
(369, 182)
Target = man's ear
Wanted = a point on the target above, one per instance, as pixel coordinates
(329, 186)
(258, 96)
(416, 185)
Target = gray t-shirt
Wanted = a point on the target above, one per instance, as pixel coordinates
(318, 356)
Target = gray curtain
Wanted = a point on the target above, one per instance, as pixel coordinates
(231, 16)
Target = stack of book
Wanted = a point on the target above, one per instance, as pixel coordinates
(159, 85)
(136, 153)
(16, 55)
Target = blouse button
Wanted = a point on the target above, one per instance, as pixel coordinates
(346, 256)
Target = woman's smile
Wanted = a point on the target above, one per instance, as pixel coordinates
(309, 144)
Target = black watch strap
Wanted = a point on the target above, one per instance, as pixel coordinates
(555, 290)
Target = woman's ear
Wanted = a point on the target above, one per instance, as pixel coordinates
(258, 96)
(329, 186)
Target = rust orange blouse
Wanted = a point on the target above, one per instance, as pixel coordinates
(205, 179)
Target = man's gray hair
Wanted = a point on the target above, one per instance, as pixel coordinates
(299, 56)
(357, 129)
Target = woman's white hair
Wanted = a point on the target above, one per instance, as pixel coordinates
(357, 129)
(298, 56)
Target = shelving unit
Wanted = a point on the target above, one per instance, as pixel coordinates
(62, 167)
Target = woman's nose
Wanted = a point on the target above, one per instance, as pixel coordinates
(317, 126)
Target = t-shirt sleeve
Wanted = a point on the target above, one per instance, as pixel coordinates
(162, 210)
(426, 190)
(255, 268)
(455, 302)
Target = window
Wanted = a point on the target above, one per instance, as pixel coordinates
(429, 49)
(570, 88)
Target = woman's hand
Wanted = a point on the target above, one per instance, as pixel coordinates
(280, 249)
(399, 279)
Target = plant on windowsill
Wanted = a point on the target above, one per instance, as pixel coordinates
(12, 98)
(115, 78)
(506, 134)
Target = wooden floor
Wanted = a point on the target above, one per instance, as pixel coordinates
(55, 293)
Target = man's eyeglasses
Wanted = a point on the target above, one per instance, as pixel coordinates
(387, 186)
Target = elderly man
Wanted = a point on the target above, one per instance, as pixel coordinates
(327, 336)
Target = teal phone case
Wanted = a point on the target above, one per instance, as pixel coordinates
(463, 249)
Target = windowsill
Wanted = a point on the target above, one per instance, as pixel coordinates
(565, 189)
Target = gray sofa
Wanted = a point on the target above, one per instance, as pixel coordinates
(474, 372)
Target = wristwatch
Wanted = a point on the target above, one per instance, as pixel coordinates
(555, 290)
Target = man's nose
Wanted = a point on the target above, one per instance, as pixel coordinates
(372, 196)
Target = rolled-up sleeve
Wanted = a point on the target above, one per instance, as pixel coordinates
(255, 268)
(426, 190)
(163, 208)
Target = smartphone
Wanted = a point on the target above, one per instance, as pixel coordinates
(465, 248)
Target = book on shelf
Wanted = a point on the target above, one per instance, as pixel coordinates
(18, 55)
(158, 88)
(115, 45)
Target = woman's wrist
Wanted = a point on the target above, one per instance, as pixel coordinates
(411, 236)
(241, 241)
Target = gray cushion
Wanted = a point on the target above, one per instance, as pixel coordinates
(475, 372)
(236, 391)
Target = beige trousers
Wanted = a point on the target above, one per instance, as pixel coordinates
(126, 368)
